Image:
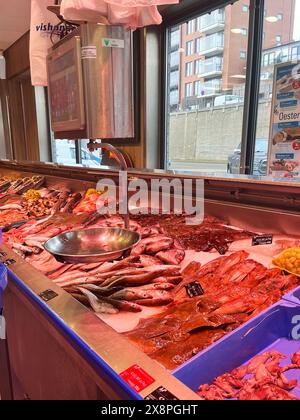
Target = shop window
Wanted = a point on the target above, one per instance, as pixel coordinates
(64, 152)
(274, 54)
(206, 133)
(88, 159)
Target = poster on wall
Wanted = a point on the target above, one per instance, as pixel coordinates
(284, 151)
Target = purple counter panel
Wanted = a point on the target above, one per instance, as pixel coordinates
(293, 296)
(3, 283)
(122, 389)
(274, 329)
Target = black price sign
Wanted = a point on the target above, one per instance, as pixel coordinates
(262, 240)
(9, 262)
(161, 394)
(48, 295)
(194, 289)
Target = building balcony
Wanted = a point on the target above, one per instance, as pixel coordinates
(212, 51)
(211, 45)
(211, 23)
(212, 88)
(210, 69)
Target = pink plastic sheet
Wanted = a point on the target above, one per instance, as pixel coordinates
(130, 13)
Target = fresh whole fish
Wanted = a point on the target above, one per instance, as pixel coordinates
(172, 256)
(174, 280)
(99, 306)
(23, 248)
(122, 304)
(11, 207)
(158, 298)
(160, 245)
(131, 294)
(97, 290)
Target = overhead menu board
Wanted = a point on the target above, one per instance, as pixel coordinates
(284, 150)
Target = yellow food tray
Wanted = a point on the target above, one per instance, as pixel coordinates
(289, 261)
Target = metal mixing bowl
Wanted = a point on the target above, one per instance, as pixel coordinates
(92, 245)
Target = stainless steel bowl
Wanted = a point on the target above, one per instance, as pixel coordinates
(91, 245)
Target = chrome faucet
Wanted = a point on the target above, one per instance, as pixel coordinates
(120, 159)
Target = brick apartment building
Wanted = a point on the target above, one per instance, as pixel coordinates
(208, 55)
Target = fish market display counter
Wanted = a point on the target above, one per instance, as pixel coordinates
(60, 349)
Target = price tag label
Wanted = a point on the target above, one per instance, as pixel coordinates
(161, 394)
(48, 295)
(9, 262)
(137, 378)
(262, 240)
(89, 52)
(194, 289)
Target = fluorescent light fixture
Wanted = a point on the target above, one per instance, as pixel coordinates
(272, 19)
(236, 30)
(238, 76)
(181, 50)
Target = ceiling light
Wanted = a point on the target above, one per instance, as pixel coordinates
(238, 76)
(236, 30)
(272, 19)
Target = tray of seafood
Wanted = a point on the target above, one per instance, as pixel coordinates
(258, 361)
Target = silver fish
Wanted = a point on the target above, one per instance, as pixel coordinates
(100, 307)
(130, 295)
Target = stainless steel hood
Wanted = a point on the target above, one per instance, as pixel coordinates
(90, 79)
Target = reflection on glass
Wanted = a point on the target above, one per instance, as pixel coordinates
(88, 159)
(64, 152)
(206, 85)
(281, 44)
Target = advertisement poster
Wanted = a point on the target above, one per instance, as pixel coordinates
(284, 155)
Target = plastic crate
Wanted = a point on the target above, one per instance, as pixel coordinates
(293, 296)
(271, 330)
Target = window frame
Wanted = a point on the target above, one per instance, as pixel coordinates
(190, 52)
(180, 15)
(189, 69)
(189, 92)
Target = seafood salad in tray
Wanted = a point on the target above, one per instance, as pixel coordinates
(181, 289)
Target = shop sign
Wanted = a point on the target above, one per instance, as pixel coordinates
(284, 149)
